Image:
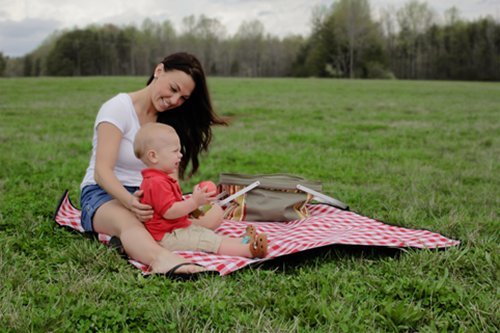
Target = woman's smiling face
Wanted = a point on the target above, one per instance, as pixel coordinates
(170, 89)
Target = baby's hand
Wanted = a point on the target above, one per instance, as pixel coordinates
(201, 196)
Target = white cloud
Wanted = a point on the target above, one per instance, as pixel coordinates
(19, 37)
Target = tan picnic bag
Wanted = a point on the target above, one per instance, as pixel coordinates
(267, 197)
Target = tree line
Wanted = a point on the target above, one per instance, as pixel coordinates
(408, 43)
(129, 50)
(346, 42)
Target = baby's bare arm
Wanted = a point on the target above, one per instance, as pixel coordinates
(180, 208)
(200, 197)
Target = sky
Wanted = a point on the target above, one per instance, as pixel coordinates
(24, 24)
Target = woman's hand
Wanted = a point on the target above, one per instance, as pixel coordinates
(142, 211)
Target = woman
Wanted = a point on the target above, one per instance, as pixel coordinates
(176, 94)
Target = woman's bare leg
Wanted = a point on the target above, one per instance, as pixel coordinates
(115, 220)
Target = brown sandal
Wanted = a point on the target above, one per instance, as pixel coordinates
(249, 235)
(258, 247)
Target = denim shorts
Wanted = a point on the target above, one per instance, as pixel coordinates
(91, 198)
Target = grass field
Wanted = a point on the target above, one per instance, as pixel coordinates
(415, 154)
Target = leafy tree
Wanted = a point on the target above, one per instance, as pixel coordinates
(76, 53)
(414, 19)
(28, 64)
(249, 47)
(354, 27)
(3, 63)
(345, 42)
(207, 34)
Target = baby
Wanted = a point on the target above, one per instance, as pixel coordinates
(158, 146)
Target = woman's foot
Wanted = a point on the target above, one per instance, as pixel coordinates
(175, 275)
(165, 264)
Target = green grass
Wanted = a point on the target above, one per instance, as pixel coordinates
(416, 154)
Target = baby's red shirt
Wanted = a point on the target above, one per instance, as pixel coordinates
(160, 192)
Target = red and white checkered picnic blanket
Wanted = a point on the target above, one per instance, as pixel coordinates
(326, 225)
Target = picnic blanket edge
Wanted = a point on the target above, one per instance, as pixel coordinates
(282, 258)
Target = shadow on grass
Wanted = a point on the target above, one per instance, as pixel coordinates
(328, 253)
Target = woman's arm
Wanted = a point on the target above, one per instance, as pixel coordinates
(108, 143)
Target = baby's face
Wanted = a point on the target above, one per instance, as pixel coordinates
(169, 154)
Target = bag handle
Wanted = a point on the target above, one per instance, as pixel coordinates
(317, 196)
(323, 198)
(244, 190)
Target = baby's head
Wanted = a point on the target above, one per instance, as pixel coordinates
(158, 146)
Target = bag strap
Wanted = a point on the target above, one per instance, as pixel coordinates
(323, 198)
(320, 197)
(244, 190)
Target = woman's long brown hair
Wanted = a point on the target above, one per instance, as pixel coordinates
(194, 118)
